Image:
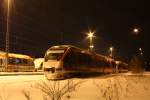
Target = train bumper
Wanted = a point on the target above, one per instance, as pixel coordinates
(52, 73)
(56, 75)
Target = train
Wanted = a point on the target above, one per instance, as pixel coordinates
(63, 61)
(16, 62)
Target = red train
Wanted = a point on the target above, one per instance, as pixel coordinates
(64, 60)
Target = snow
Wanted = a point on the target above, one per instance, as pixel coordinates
(111, 87)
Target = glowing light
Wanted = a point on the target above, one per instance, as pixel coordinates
(136, 30)
(111, 51)
(140, 49)
(91, 34)
(111, 48)
(91, 46)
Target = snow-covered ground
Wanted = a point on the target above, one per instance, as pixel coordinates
(110, 87)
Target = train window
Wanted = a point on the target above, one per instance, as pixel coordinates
(54, 55)
(84, 59)
(70, 59)
(88, 60)
(80, 58)
(99, 62)
(17, 61)
(105, 64)
(30, 62)
(24, 61)
(12, 60)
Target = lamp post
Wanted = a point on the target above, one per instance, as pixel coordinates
(141, 51)
(111, 51)
(7, 34)
(90, 36)
(136, 31)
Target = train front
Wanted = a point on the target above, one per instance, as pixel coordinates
(53, 63)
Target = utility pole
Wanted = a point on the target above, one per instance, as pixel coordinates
(7, 34)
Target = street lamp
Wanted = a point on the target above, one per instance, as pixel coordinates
(111, 51)
(90, 36)
(141, 51)
(136, 31)
(7, 33)
(91, 47)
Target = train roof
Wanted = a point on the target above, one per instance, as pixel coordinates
(83, 51)
(2, 53)
(63, 46)
(19, 56)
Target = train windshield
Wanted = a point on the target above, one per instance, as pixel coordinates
(54, 54)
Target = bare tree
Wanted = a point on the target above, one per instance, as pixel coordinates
(113, 89)
(55, 90)
(27, 95)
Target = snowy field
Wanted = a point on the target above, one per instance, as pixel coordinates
(109, 87)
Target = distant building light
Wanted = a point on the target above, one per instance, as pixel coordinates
(140, 49)
(91, 46)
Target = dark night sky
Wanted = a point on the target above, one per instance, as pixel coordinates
(38, 24)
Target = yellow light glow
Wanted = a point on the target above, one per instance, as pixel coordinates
(91, 46)
(111, 48)
(91, 34)
(7, 2)
(140, 49)
(136, 30)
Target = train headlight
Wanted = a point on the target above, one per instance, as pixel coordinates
(52, 69)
